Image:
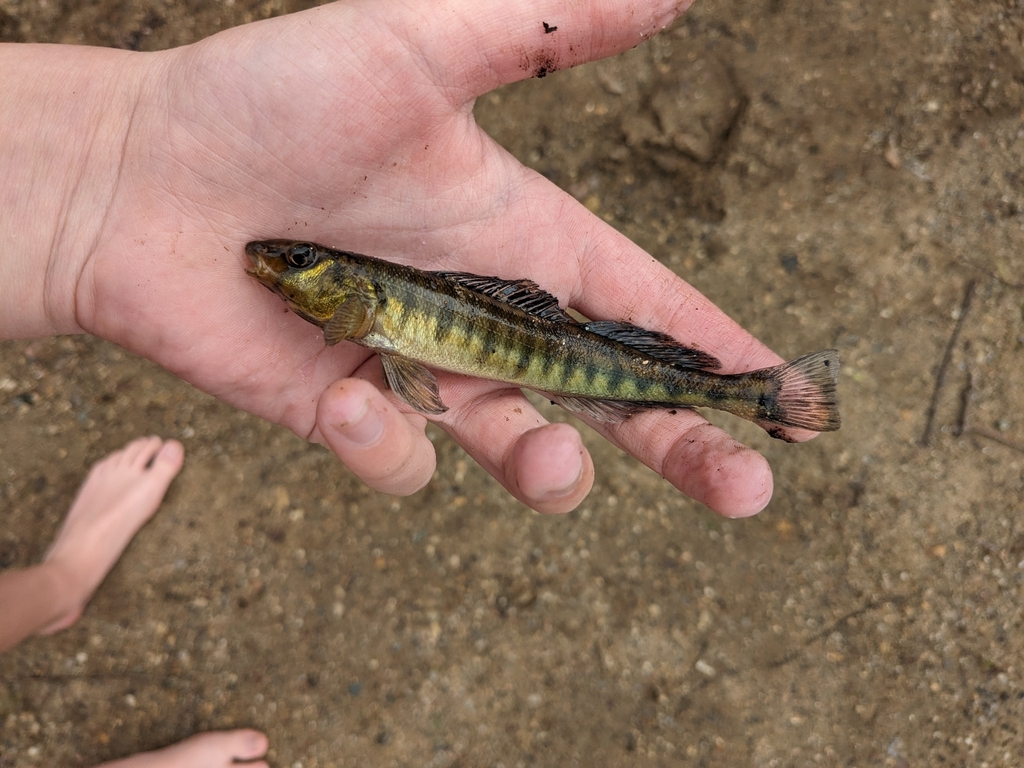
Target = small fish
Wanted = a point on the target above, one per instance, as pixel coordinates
(515, 332)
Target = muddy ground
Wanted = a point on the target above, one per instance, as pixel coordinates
(832, 174)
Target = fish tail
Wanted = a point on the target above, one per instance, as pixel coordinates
(806, 393)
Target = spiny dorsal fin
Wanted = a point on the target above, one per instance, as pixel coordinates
(658, 345)
(413, 383)
(524, 294)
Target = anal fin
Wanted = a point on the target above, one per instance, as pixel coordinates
(605, 411)
(413, 383)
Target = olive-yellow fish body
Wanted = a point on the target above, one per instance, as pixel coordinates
(514, 332)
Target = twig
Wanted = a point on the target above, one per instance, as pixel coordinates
(996, 438)
(966, 398)
(940, 375)
(93, 677)
(870, 605)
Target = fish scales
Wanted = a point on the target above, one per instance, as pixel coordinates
(495, 335)
(514, 332)
(481, 338)
(570, 363)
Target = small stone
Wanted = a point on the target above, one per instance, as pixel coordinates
(704, 668)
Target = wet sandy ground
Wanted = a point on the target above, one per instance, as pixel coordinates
(832, 174)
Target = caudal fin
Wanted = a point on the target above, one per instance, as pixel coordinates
(807, 392)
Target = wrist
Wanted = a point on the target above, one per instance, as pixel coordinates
(65, 115)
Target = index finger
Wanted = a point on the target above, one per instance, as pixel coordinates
(604, 275)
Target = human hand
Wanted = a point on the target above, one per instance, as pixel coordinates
(351, 124)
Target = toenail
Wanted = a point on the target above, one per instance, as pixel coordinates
(172, 450)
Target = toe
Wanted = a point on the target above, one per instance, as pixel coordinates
(247, 744)
(138, 453)
(168, 459)
(215, 749)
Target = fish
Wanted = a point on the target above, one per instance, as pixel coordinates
(515, 332)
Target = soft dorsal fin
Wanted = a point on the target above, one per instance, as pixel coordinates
(523, 294)
(658, 345)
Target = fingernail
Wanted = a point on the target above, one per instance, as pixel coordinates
(365, 428)
(669, 12)
(564, 490)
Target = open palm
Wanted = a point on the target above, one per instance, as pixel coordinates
(351, 125)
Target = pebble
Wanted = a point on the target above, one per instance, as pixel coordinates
(704, 668)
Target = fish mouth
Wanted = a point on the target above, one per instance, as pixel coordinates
(267, 263)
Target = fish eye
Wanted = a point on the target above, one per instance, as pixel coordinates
(301, 256)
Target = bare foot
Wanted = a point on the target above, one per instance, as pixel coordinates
(119, 495)
(219, 749)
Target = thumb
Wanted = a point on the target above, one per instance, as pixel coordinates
(474, 46)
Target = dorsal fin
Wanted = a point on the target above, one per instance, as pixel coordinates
(523, 294)
(658, 345)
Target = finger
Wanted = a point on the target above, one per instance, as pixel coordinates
(590, 266)
(386, 449)
(543, 465)
(699, 459)
(515, 41)
(613, 271)
(605, 276)
(712, 467)
(549, 468)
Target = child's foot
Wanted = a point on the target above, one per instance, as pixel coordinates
(219, 749)
(119, 495)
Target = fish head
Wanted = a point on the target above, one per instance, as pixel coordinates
(310, 278)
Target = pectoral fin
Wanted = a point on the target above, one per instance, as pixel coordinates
(413, 383)
(351, 320)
